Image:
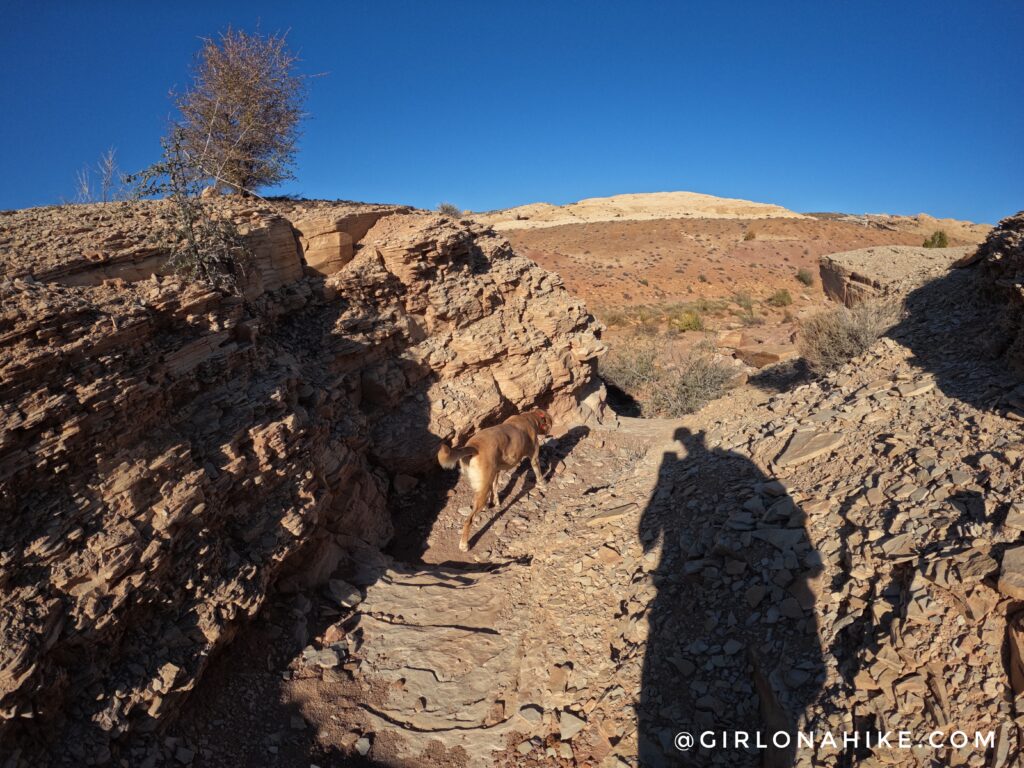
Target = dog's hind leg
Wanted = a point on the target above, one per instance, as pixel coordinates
(482, 479)
(494, 501)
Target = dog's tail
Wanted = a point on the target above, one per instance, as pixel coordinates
(449, 457)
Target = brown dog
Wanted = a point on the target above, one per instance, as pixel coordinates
(492, 450)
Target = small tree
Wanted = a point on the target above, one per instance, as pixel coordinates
(202, 245)
(240, 119)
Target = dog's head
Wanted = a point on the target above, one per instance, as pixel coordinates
(543, 421)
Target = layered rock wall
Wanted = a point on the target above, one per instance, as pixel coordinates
(1001, 260)
(169, 453)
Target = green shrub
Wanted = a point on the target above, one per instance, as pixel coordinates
(937, 240)
(804, 276)
(687, 320)
(780, 298)
(833, 337)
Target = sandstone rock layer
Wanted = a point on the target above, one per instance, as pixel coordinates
(852, 277)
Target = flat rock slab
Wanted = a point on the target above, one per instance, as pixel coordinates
(852, 277)
(783, 539)
(1015, 517)
(611, 515)
(1011, 573)
(807, 445)
(914, 388)
(446, 646)
(761, 355)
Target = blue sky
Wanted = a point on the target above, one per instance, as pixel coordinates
(865, 106)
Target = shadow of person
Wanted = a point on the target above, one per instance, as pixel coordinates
(732, 651)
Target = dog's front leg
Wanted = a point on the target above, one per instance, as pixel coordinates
(535, 463)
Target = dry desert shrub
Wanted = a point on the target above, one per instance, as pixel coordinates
(804, 276)
(111, 182)
(663, 382)
(744, 300)
(835, 336)
(450, 210)
(612, 317)
(632, 367)
(240, 119)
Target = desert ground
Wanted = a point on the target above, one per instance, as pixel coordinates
(639, 262)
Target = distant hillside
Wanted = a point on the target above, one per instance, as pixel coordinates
(922, 224)
(652, 263)
(633, 207)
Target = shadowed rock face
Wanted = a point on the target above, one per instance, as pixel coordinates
(1001, 259)
(169, 453)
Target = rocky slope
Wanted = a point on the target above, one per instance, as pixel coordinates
(1001, 259)
(920, 226)
(168, 454)
(843, 558)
